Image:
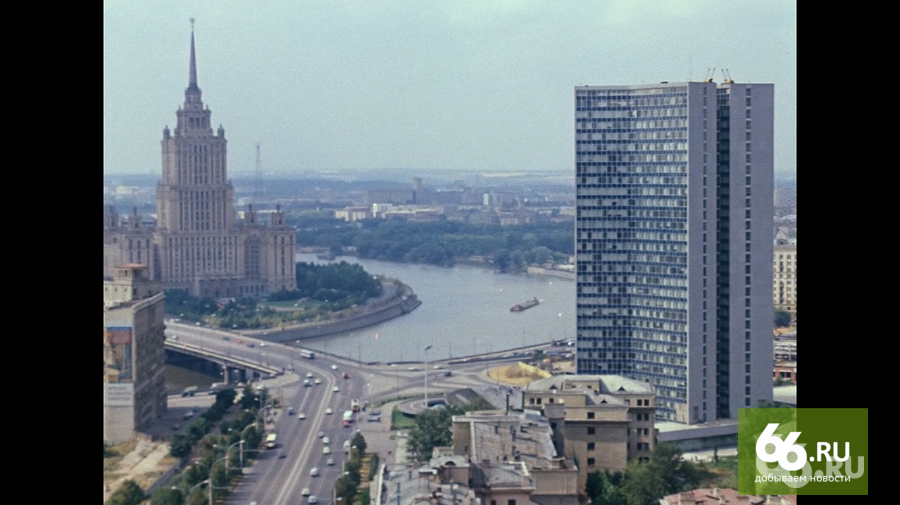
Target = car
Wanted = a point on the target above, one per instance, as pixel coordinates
(335, 389)
(318, 381)
(305, 491)
(346, 375)
(309, 375)
(415, 369)
(326, 450)
(291, 411)
(197, 324)
(314, 472)
(251, 344)
(240, 341)
(328, 411)
(282, 455)
(188, 415)
(313, 500)
(262, 344)
(301, 416)
(321, 434)
(376, 412)
(374, 419)
(334, 367)
(306, 383)
(226, 339)
(330, 462)
(326, 440)
(346, 424)
(176, 427)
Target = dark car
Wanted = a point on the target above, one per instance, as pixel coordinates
(282, 455)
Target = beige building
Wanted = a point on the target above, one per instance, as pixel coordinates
(134, 359)
(196, 244)
(512, 459)
(600, 421)
(784, 291)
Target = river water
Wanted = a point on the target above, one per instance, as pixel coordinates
(464, 311)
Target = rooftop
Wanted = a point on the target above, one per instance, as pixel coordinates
(715, 496)
(608, 384)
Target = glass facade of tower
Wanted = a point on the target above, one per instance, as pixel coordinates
(653, 235)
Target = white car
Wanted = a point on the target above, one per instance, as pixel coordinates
(314, 472)
(318, 381)
(313, 500)
(301, 416)
(330, 462)
(326, 450)
(326, 441)
(328, 411)
(309, 374)
(335, 389)
(334, 367)
(305, 491)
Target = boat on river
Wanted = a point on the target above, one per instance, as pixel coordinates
(519, 307)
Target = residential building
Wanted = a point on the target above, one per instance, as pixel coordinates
(784, 265)
(196, 244)
(674, 191)
(715, 496)
(600, 421)
(512, 459)
(134, 359)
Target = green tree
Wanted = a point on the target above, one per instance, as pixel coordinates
(167, 496)
(782, 318)
(605, 489)
(180, 446)
(129, 493)
(345, 489)
(359, 442)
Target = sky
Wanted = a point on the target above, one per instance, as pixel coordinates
(375, 85)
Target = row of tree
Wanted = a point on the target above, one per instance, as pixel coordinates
(185, 489)
(440, 242)
(347, 485)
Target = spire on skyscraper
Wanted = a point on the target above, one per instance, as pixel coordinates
(192, 93)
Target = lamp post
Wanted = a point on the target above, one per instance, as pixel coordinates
(225, 459)
(241, 443)
(426, 377)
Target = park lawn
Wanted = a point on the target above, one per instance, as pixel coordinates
(399, 421)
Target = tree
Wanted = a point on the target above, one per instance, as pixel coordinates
(605, 489)
(129, 493)
(782, 318)
(167, 496)
(180, 446)
(359, 442)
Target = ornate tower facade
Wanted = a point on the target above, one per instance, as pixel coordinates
(197, 245)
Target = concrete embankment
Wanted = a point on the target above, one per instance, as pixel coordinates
(403, 302)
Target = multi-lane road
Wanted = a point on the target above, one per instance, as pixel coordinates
(279, 481)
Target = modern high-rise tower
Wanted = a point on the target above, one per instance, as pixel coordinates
(674, 188)
(197, 245)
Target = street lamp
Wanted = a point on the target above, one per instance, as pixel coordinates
(225, 459)
(426, 377)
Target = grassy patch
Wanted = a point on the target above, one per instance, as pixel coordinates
(116, 453)
(399, 421)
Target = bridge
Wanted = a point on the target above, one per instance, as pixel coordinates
(235, 367)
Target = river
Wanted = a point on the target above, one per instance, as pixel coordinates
(464, 311)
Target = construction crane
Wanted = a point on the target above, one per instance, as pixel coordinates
(727, 76)
(709, 75)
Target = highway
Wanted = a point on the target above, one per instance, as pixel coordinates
(279, 481)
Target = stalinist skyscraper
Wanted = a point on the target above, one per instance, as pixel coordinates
(197, 245)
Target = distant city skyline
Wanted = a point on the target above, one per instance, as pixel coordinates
(382, 86)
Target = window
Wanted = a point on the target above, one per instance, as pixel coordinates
(590, 415)
(591, 446)
(590, 462)
(510, 502)
(590, 431)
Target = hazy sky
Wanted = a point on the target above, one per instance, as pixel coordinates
(482, 85)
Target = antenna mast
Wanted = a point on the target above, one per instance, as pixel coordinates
(257, 180)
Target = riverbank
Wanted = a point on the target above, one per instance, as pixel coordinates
(397, 299)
